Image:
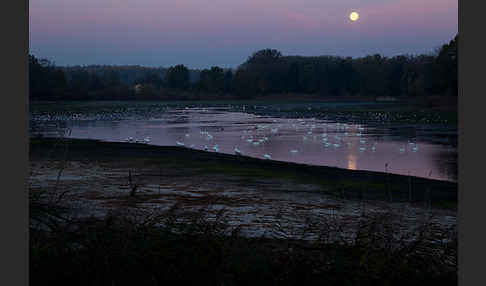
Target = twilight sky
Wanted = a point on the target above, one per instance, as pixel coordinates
(200, 34)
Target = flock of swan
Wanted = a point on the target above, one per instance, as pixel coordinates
(330, 135)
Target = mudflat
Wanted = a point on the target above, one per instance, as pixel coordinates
(96, 177)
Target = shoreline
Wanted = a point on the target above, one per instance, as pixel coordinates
(336, 181)
(357, 111)
(261, 197)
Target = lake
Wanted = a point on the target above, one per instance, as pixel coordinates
(423, 150)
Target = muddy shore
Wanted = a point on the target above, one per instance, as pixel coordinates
(94, 177)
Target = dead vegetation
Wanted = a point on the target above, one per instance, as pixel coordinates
(196, 240)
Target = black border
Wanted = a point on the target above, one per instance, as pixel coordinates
(471, 103)
(14, 118)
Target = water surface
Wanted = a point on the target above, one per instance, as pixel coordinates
(417, 150)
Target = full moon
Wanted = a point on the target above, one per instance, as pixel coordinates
(354, 16)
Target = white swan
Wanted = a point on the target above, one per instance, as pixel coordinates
(237, 151)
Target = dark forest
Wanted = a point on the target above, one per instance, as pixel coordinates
(265, 72)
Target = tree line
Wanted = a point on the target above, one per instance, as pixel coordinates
(264, 72)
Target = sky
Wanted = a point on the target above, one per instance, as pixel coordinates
(201, 34)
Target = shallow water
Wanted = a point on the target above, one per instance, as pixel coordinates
(417, 150)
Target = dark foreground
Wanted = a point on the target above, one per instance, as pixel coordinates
(180, 245)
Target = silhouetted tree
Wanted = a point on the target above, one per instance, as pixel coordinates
(446, 67)
(228, 79)
(151, 78)
(264, 57)
(178, 77)
(265, 71)
(244, 83)
(212, 80)
(46, 81)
